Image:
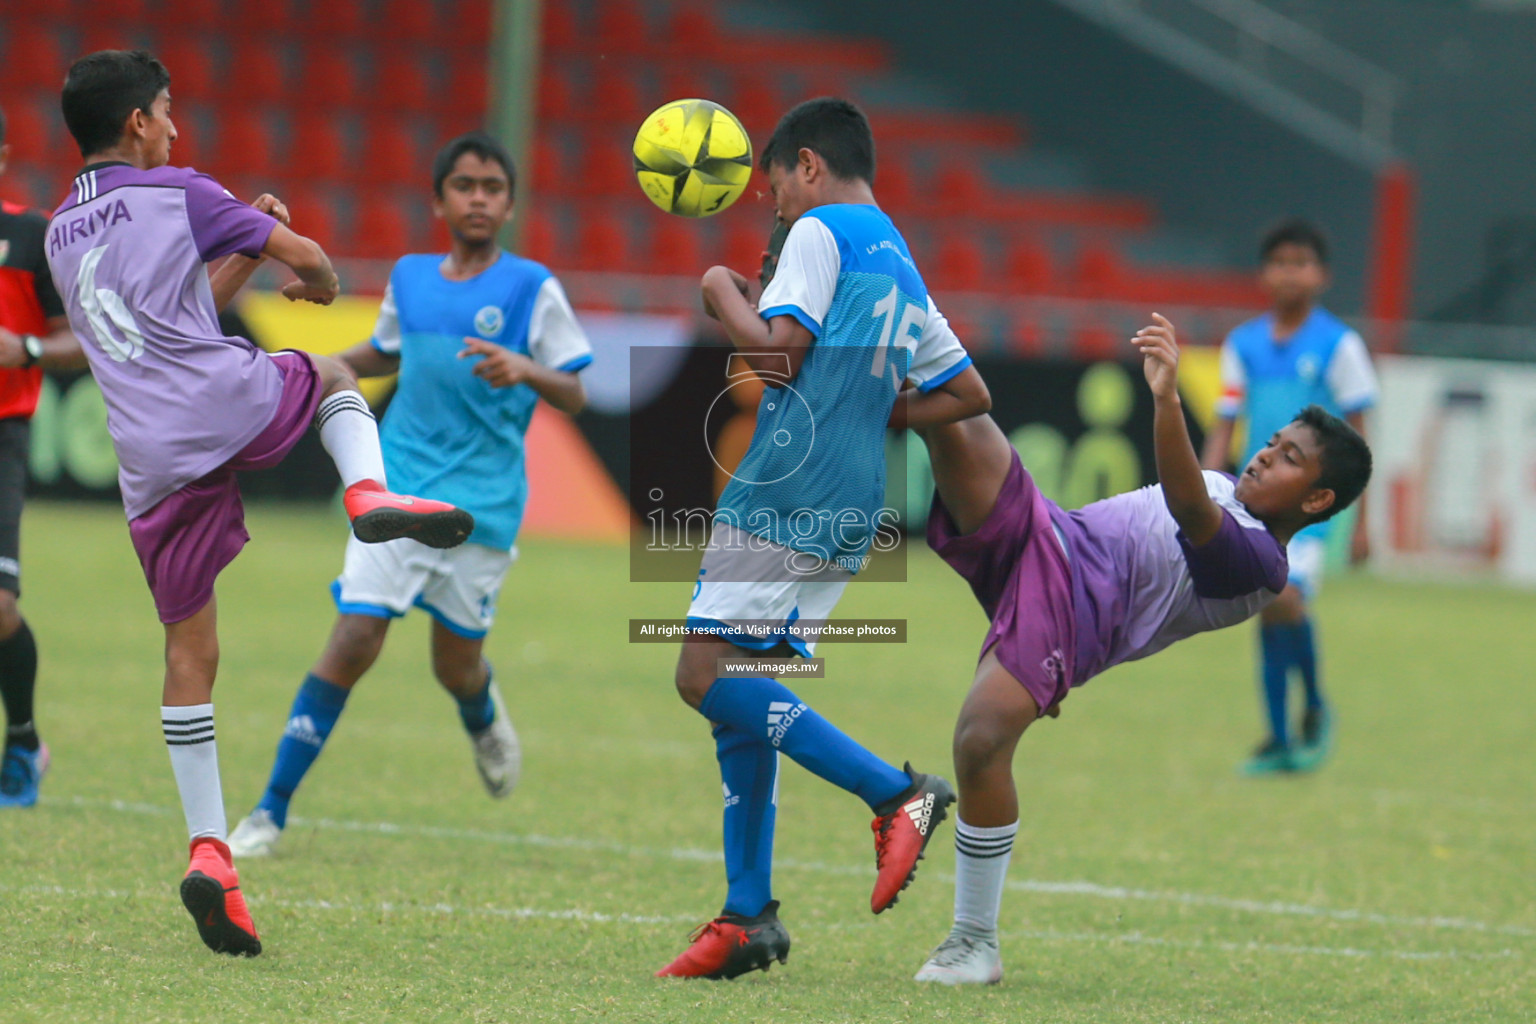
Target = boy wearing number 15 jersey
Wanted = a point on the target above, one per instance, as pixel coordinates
(844, 326)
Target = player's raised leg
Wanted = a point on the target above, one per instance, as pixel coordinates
(350, 435)
(354, 645)
(210, 889)
(996, 712)
(970, 461)
(908, 805)
(461, 668)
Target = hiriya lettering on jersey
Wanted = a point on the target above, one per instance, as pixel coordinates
(67, 232)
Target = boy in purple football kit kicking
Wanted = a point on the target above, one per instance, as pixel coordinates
(1071, 594)
(188, 408)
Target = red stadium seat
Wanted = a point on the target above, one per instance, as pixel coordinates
(675, 246)
(960, 265)
(557, 93)
(540, 241)
(314, 215)
(557, 25)
(402, 80)
(893, 185)
(193, 14)
(28, 131)
(255, 73)
(755, 104)
(1030, 270)
(117, 10)
(468, 90)
(33, 57)
(191, 64)
(1097, 271)
(469, 27)
(691, 27)
(381, 228)
(615, 98)
(410, 21)
(245, 145)
(391, 155)
(548, 174)
(111, 35)
(620, 25)
(602, 244)
(336, 19)
(960, 189)
(329, 77)
(318, 149)
(745, 241)
(606, 168)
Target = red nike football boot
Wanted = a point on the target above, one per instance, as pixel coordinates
(211, 893)
(902, 835)
(377, 516)
(731, 945)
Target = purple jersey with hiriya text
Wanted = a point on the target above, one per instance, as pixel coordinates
(1138, 585)
(128, 250)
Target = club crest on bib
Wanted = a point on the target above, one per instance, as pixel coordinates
(1307, 367)
(488, 322)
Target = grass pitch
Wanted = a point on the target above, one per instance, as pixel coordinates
(1149, 882)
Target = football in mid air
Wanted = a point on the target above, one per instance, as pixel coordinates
(692, 157)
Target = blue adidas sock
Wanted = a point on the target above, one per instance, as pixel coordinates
(749, 771)
(758, 706)
(1275, 643)
(1305, 653)
(479, 711)
(315, 709)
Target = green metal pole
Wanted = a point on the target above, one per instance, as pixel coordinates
(514, 91)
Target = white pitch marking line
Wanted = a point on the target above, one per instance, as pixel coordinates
(1076, 888)
(597, 917)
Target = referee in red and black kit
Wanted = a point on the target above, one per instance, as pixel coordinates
(34, 333)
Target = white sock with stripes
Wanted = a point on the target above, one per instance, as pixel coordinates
(981, 865)
(351, 435)
(195, 761)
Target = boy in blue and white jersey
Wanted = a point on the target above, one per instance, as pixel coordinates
(847, 342)
(1296, 356)
(477, 337)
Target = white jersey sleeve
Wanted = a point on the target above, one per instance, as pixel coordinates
(555, 338)
(1351, 377)
(1234, 382)
(806, 279)
(939, 355)
(386, 330)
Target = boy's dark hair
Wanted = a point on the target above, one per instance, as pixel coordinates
(834, 129)
(1294, 232)
(1346, 458)
(102, 89)
(480, 144)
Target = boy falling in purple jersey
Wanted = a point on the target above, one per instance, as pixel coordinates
(188, 408)
(1071, 594)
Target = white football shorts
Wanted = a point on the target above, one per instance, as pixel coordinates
(457, 586)
(752, 592)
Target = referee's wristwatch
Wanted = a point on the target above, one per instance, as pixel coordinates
(33, 346)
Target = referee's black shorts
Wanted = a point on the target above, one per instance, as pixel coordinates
(15, 438)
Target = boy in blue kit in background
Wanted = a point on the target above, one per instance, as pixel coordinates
(478, 337)
(1297, 355)
(845, 323)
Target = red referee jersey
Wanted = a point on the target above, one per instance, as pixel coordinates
(27, 299)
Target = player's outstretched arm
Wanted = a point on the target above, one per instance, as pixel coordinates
(962, 396)
(366, 361)
(725, 299)
(500, 367)
(59, 348)
(317, 278)
(1178, 469)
